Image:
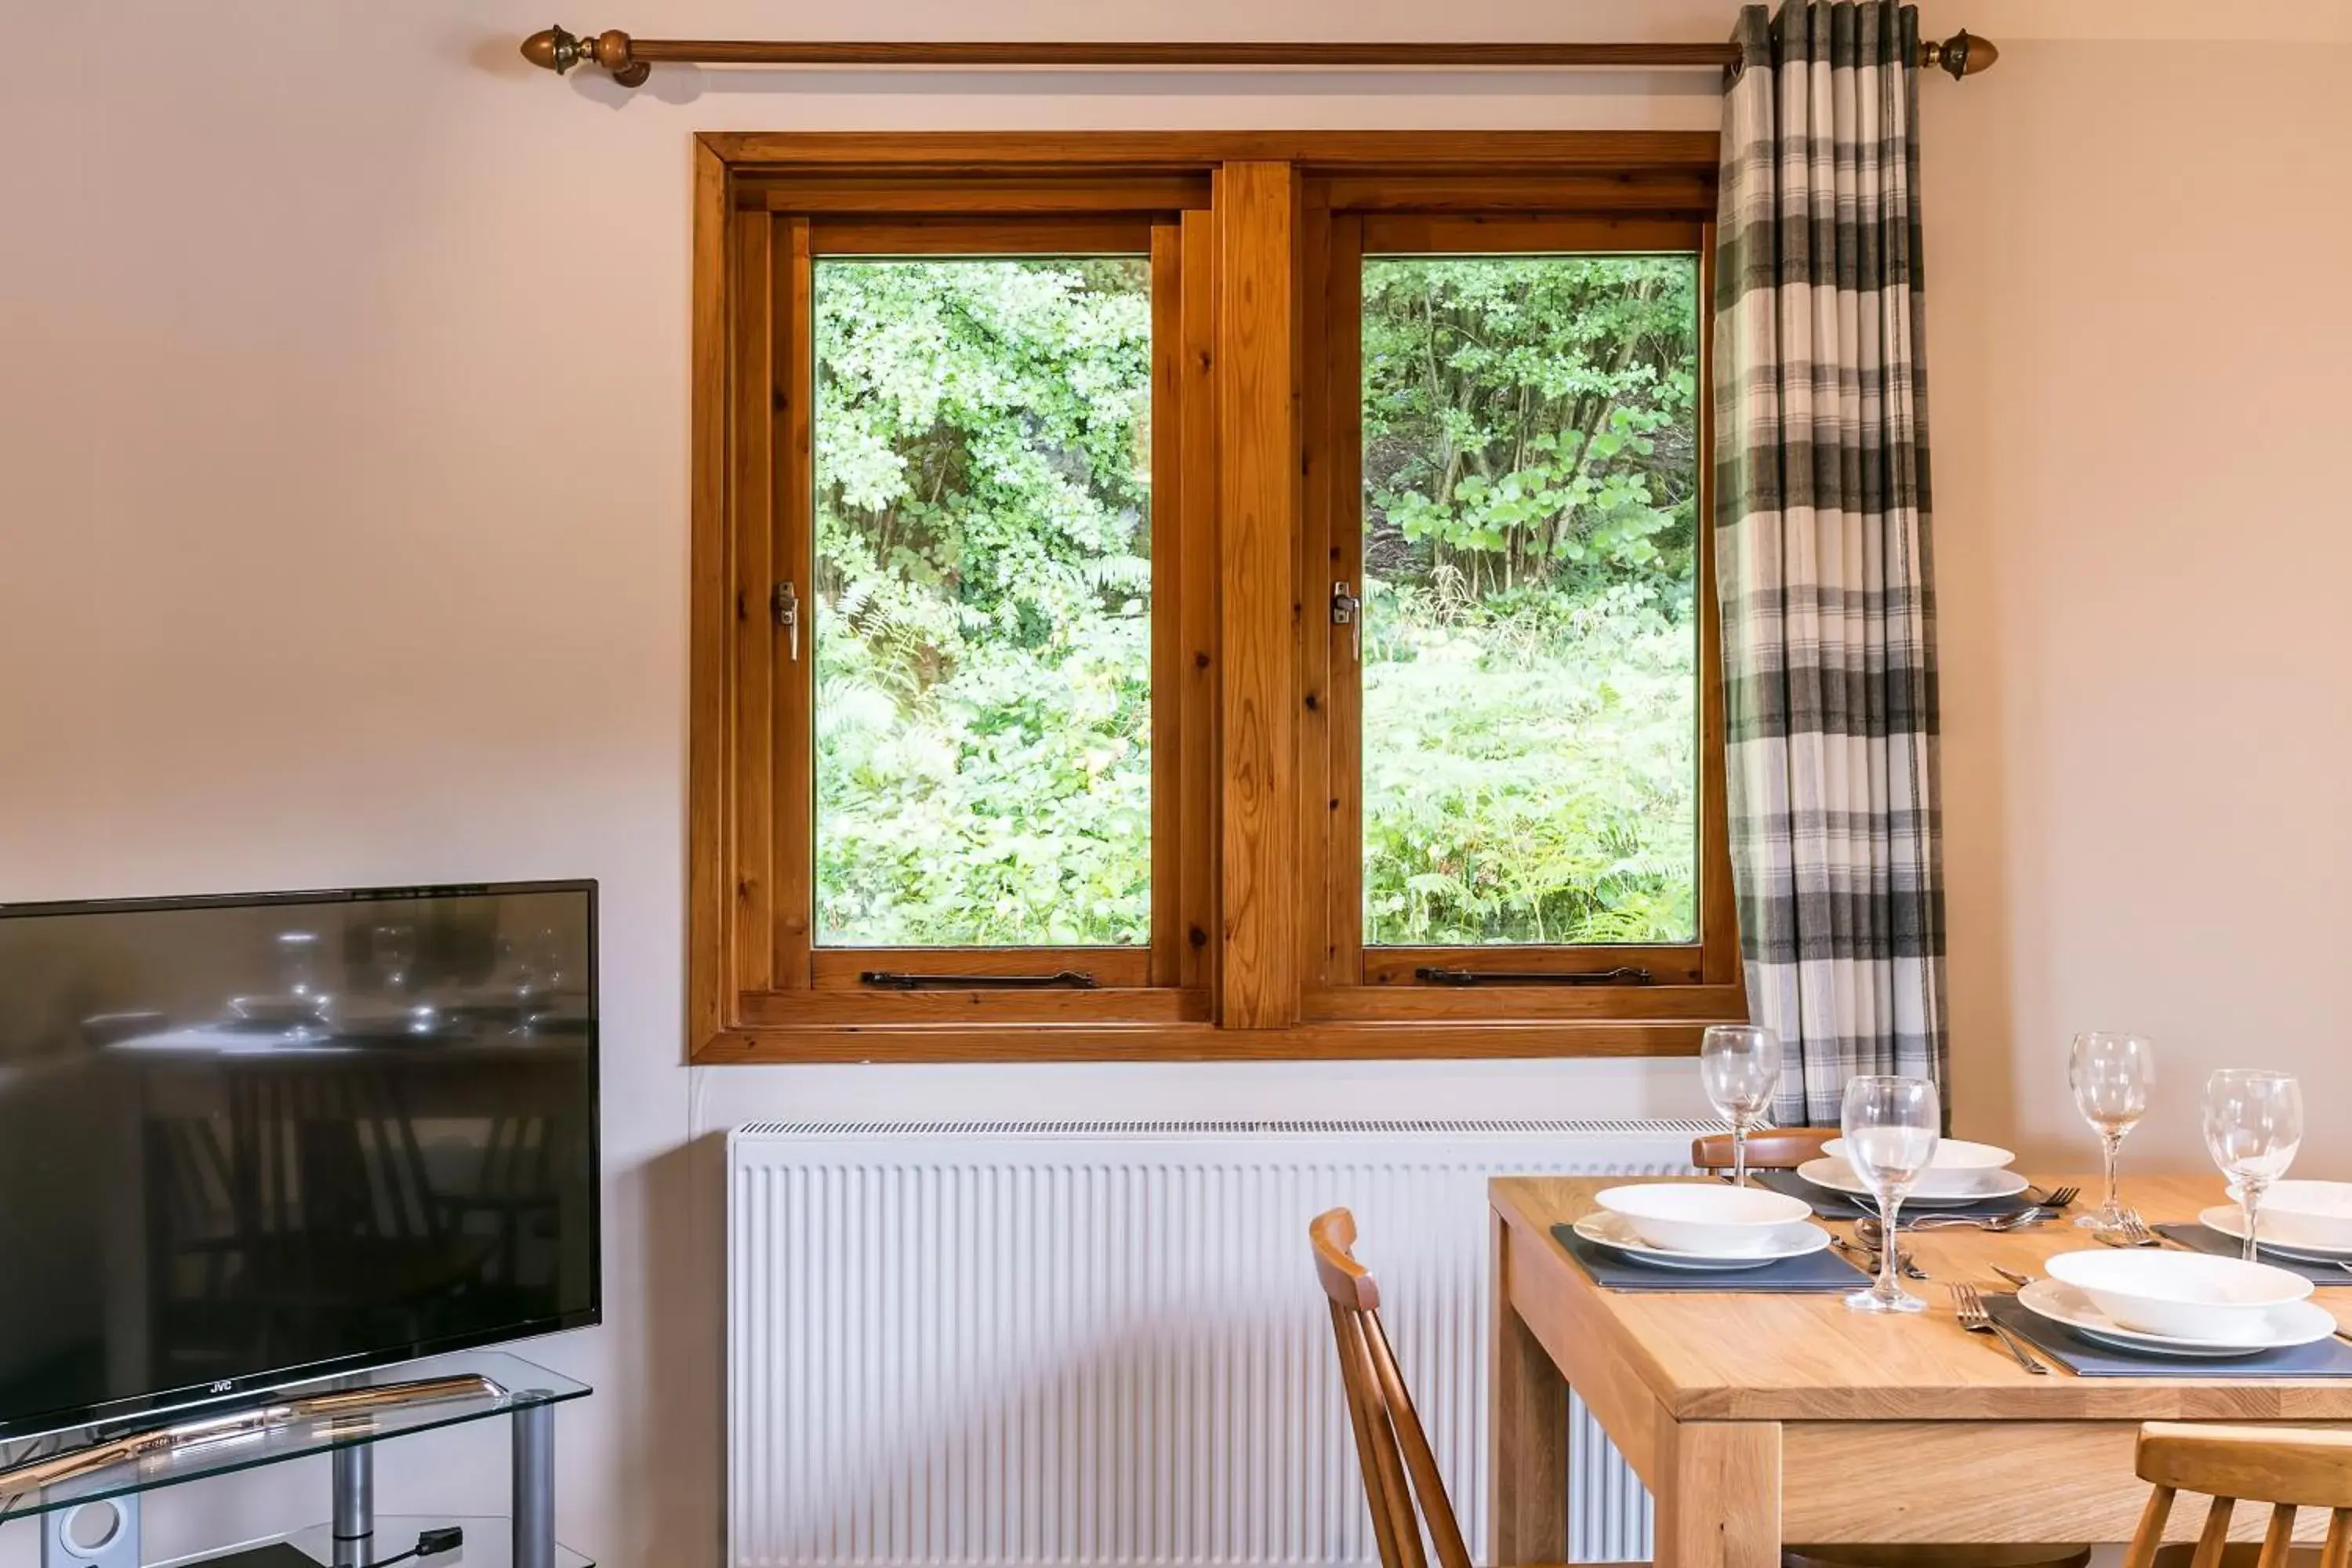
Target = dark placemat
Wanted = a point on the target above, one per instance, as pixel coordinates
(1815, 1273)
(1830, 1204)
(2205, 1239)
(2331, 1357)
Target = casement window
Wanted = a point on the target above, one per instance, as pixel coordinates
(1203, 595)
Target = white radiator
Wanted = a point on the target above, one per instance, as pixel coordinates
(983, 1344)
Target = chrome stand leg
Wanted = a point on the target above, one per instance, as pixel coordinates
(354, 1518)
(534, 1486)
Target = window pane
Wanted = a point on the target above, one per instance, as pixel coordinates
(1530, 650)
(983, 602)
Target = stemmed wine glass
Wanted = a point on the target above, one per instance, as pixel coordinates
(392, 949)
(2253, 1125)
(1892, 1126)
(1740, 1066)
(2111, 1074)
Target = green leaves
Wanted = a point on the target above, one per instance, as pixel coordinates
(1513, 415)
(983, 610)
(1530, 662)
(983, 623)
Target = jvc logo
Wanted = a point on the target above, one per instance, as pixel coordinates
(224, 1385)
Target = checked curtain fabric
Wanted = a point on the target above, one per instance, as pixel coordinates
(1823, 561)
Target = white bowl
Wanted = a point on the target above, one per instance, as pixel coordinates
(2306, 1214)
(1952, 1155)
(2189, 1295)
(1705, 1218)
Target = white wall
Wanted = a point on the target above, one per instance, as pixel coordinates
(2137, 336)
(342, 433)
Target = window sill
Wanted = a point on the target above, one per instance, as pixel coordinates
(1330, 1040)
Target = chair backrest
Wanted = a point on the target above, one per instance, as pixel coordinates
(2250, 1464)
(1768, 1148)
(1391, 1444)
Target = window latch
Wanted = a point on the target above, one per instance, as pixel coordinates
(892, 979)
(1346, 610)
(786, 602)
(1624, 976)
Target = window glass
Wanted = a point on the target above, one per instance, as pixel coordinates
(983, 602)
(1530, 639)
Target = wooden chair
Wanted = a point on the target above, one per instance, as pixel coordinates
(1768, 1148)
(1400, 1466)
(2289, 1470)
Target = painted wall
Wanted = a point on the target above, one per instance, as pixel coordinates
(342, 433)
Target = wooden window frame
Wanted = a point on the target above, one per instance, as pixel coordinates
(1248, 955)
(1345, 977)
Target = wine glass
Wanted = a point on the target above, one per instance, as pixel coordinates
(2111, 1074)
(299, 954)
(392, 950)
(2253, 1125)
(1740, 1066)
(1892, 1126)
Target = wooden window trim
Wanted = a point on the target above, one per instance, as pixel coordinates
(1241, 221)
(1349, 981)
(771, 454)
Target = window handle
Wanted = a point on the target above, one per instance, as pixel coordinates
(893, 980)
(1624, 976)
(786, 601)
(1346, 610)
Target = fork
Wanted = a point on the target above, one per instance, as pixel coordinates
(2060, 1198)
(2134, 1232)
(1969, 1309)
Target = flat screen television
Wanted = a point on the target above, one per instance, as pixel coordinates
(252, 1139)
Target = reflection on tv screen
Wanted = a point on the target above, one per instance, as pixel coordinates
(247, 1138)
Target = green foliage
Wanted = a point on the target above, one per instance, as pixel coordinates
(983, 629)
(1530, 691)
(1527, 784)
(982, 626)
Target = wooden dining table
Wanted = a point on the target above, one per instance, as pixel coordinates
(1757, 1419)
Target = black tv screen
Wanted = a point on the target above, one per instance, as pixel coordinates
(248, 1138)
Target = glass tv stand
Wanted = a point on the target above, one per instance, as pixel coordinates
(77, 1477)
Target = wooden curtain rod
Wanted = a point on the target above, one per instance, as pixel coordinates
(631, 60)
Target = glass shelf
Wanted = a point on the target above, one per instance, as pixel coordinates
(524, 1385)
(488, 1543)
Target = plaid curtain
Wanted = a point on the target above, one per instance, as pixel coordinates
(1823, 564)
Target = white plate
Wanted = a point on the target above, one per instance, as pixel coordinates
(2230, 1221)
(1616, 1234)
(1961, 1188)
(1952, 1155)
(2279, 1327)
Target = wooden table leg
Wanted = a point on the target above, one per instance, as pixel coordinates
(1718, 1503)
(1528, 1466)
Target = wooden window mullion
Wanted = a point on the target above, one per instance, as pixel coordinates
(1257, 320)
